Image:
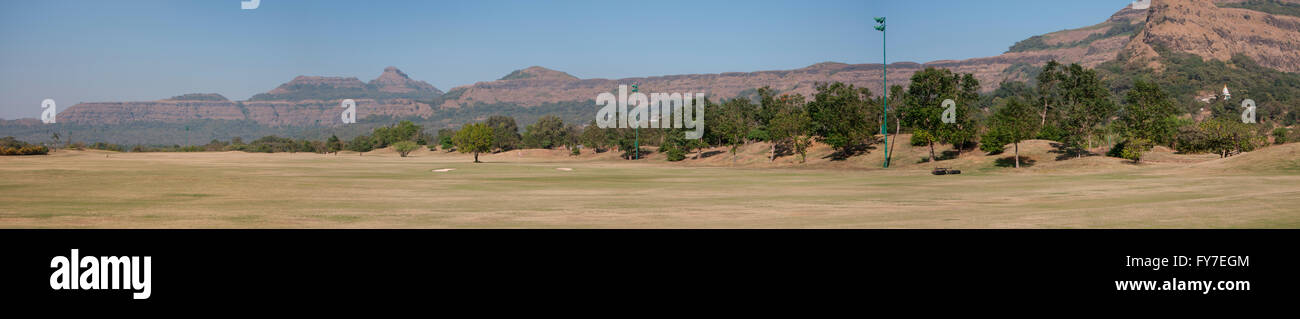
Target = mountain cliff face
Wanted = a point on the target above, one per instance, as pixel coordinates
(306, 100)
(1089, 46)
(1206, 29)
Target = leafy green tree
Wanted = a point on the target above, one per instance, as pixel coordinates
(1149, 113)
(791, 125)
(1051, 93)
(593, 137)
(402, 131)
(1010, 124)
(842, 115)
(361, 144)
(475, 138)
(1221, 136)
(770, 105)
(1084, 104)
(505, 133)
(733, 123)
(404, 148)
(922, 109)
(966, 127)
(547, 133)
(333, 144)
(444, 138)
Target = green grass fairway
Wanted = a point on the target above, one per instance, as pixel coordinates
(91, 189)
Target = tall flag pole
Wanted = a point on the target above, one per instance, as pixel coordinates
(884, 123)
(636, 130)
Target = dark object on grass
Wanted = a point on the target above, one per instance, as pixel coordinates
(945, 171)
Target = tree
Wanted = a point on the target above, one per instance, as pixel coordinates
(593, 137)
(333, 144)
(1010, 124)
(402, 131)
(1221, 136)
(547, 133)
(966, 127)
(922, 109)
(404, 148)
(790, 125)
(360, 144)
(1049, 89)
(475, 138)
(505, 133)
(1148, 113)
(733, 123)
(445, 139)
(842, 115)
(1083, 102)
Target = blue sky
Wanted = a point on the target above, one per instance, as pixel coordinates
(139, 50)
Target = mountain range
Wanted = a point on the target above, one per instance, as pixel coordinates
(1263, 30)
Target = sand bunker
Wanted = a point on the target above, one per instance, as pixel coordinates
(444, 170)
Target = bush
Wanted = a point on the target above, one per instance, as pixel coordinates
(675, 153)
(25, 150)
(11, 146)
(1280, 135)
(1130, 149)
(405, 147)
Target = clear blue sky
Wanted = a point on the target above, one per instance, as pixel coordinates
(139, 50)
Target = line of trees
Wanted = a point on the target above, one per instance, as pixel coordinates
(1069, 104)
(1076, 107)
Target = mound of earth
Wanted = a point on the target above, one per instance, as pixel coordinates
(1269, 159)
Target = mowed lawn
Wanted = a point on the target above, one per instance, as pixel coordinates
(92, 189)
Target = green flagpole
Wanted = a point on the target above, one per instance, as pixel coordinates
(636, 133)
(884, 123)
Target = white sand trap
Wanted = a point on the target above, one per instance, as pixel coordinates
(444, 170)
(566, 169)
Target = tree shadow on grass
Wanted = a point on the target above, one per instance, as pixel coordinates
(710, 154)
(783, 150)
(1010, 161)
(943, 156)
(1067, 152)
(850, 151)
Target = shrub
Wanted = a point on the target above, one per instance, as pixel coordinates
(1130, 149)
(11, 146)
(675, 153)
(405, 147)
(1280, 135)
